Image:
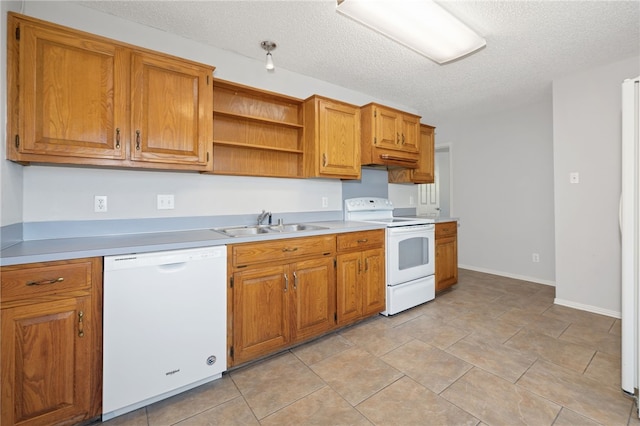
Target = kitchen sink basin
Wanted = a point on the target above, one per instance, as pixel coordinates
(249, 230)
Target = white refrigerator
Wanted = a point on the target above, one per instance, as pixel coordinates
(630, 235)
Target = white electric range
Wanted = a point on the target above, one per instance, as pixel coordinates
(410, 252)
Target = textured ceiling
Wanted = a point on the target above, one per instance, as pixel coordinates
(529, 43)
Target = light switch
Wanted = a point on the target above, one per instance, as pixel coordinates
(574, 177)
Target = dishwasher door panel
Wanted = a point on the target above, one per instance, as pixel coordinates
(164, 325)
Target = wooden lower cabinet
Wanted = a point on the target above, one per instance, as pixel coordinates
(361, 287)
(51, 342)
(276, 303)
(446, 246)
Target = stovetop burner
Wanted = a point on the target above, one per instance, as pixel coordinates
(377, 210)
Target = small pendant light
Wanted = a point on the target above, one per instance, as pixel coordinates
(269, 46)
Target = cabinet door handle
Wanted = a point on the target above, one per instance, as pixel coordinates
(295, 281)
(324, 160)
(286, 283)
(397, 138)
(366, 265)
(81, 324)
(286, 249)
(43, 282)
(137, 140)
(359, 266)
(118, 138)
(364, 240)
(403, 139)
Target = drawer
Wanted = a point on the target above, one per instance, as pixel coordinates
(360, 240)
(279, 250)
(446, 229)
(45, 279)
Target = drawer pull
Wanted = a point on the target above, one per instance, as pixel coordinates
(137, 140)
(295, 281)
(364, 240)
(290, 249)
(80, 324)
(43, 282)
(286, 283)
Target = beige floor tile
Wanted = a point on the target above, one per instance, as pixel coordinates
(405, 402)
(433, 332)
(190, 403)
(488, 327)
(404, 316)
(134, 418)
(323, 407)
(598, 339)
(616, 328)
(536, 322)
(234, 412)
(427, 365)
(439, 310)
(534, 304)
(496, 358)
(581, 394)
(496, 401)
(571, 418)
(633, 417)
(563, 353)
(605, 368)
(376, 336)
(594, 321)
(356, 374)
(275, 383)
(322, 348)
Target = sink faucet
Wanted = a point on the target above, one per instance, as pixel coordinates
(262, 216)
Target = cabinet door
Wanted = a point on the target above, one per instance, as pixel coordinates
(349, 292)
(425, 171)
(410, 133)
(388, 128)
(259, 312)
(373, 282)
(46, 362)
(446, 262)
(339, 139)
(72, 95)
(313, 293)
(172, 110)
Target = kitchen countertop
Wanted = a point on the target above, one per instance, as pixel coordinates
(71, 248)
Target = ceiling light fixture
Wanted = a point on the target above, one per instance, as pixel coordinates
(422, 26)
(269, 46)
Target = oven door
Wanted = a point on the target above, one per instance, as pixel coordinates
(410, 253)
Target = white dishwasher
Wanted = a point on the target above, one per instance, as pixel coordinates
(165, 325)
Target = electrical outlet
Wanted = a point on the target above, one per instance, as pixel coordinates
(325, 202)
(100, 203)
(166, 202)
(535, 257)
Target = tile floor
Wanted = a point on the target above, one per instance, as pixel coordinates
(491, 351)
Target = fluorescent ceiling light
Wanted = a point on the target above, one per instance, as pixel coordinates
(422, 26)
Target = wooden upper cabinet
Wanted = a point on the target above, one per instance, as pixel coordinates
(171, 105)
(76, 98)
(389, 137)
(425, 172)
(332, 139)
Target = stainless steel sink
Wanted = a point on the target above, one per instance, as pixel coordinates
(249, 230)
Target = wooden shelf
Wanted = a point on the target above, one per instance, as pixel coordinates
(258, 119)
(256, 133)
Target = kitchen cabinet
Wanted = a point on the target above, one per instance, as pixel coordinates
(361, 289)
(51, 342)
(425, 172)
(256, 132)
(446, 244)
(332, 139)
(389, 137)
(77, 98)
(282, 292)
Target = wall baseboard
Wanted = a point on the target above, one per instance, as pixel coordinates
(508, 275)
(588, 308)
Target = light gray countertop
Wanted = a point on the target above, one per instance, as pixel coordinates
(71, 248)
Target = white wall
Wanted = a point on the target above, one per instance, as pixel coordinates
(503, 191)
(586, 134)
(10, 173)
(67, 193)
